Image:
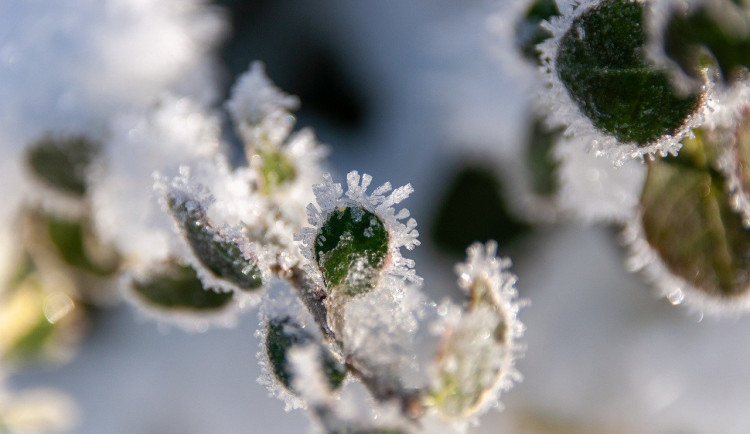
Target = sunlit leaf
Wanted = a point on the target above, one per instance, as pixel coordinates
(687, 218)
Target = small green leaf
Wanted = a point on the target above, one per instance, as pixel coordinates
(540, 160)
(276, 170)
(76, 243)
(220, 255)
(529, 32)
(178, 287)
(351, 249)
(688, 220)
(63, 162)
(282, 335)
(717, 29)
(602, 64)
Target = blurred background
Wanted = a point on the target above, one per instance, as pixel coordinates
(414, 92)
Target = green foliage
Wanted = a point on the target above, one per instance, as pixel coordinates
(276, 170)
(717, 32)
(73, 240)
(218, 254)
(688, 219)
(282, 335)
(63, 162)
(602, 64)
(351, 249)
(177, 286)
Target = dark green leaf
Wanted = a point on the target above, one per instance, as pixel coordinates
(351, 248)
(602, 64)
(473, 209)
(63, 162)
(282, 335)
(218, 254)
(688, 220)
(717, 32)
(178, 287)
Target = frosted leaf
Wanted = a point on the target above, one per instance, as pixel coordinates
(688, 240)
(350, 250)
(370, 214)
(256, 100)
(479, 346)
(224, 259)
(283, 334)
(602, 89)
(172, 293)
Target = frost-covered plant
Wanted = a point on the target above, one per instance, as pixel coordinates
(651, 98)
(339, 304)
(69, 85)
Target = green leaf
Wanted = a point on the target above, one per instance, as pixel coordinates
(177, 286)
(529, 32)
(351, 249)
(276, 170)
(472, 209)
(219, 254)
(283, 334)
(602, 64)
(717, 32)
(77, 245)
(688, 220)
(63, 162)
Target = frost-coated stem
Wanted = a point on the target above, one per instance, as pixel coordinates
(382, 388)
